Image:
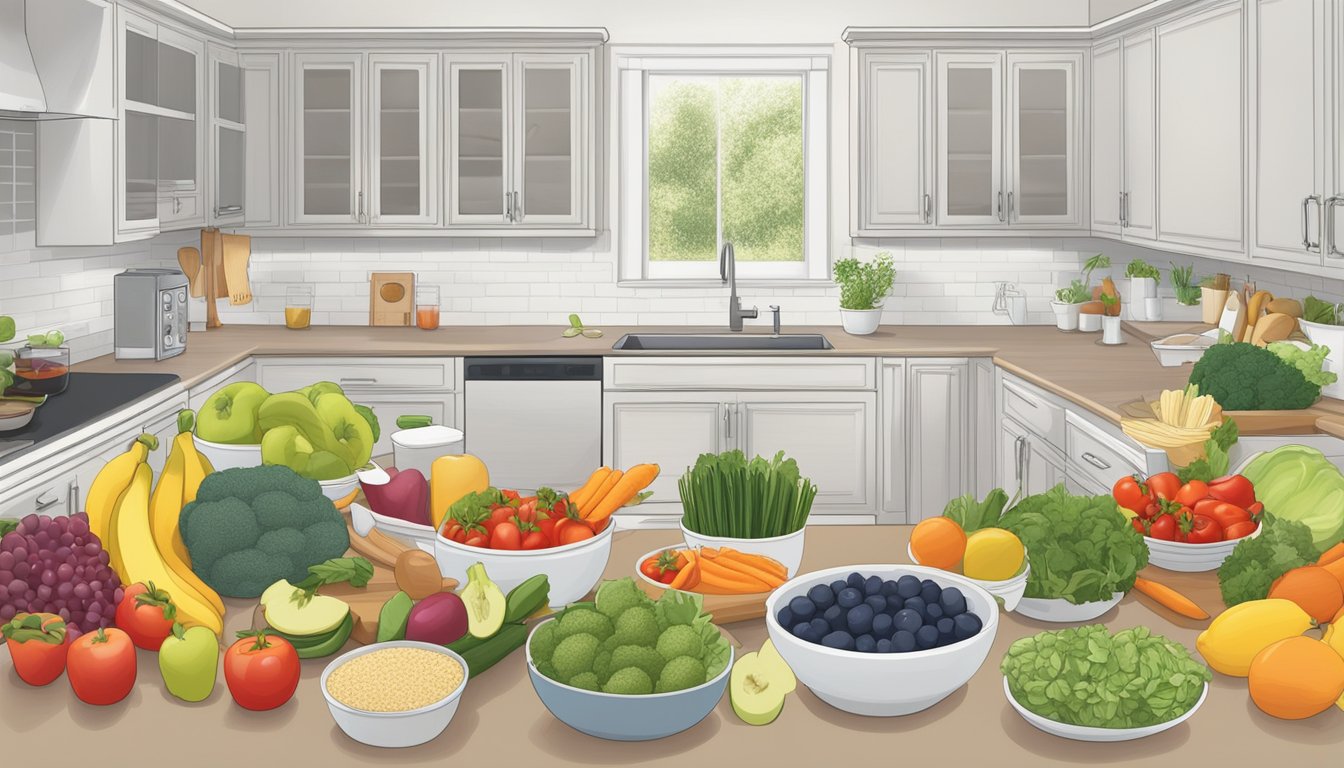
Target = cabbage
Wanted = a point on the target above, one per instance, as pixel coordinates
(1298, 483)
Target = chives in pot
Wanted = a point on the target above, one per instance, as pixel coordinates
(755, 506)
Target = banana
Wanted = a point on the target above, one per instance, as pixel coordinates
(165, 506)
(133, 547)
(111, 482)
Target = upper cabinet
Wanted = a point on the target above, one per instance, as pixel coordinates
(1044, 138)
(970, 139)
(892, 104)
(228, 138)
(520, 140)
(1124, 137)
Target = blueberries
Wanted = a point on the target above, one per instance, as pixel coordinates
(915, 604)
(820, 627)
(877, 602)
(930, 591)
(907, 621)
(803, 609)
(894, 604)
(839, 640)
(865, 644)
(855, 580)
(872, 586)
(848, 598)
(883, 626)
(888, 588)
(821, 596)
(945, 631)
(967, 626)
(926, 637)
(953, 602)
(903, 642)
(884, 646)
(838, 586)
(835, 616)
(860, 620)
(933, 612)
(786, 617)
(805, 632)
(907, 586)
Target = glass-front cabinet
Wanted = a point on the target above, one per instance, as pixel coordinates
(1043, 144)
(970, 138)
(228, 147)
(326, 138)
(403, 139)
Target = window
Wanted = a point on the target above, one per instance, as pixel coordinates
(723, 148)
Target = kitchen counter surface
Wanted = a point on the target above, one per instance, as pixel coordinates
(502, 722)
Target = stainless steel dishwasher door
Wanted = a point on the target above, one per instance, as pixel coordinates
(535, 422)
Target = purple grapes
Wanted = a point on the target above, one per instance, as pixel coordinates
(55, 565)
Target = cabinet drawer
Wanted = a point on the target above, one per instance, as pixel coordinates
(1034, 412)
(441, 409)
(1098, 456)
(733, 373)
(357, 373)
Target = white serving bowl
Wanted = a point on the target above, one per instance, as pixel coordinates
(1192, 558)
(786, 549)
(884, 684)
(573, 569)
(1010, 591)
(417, 448)
(1061, 611)
(340, 487)
(364, 520)
(660, 585)
(1092, 733)
(395, 729)
(227, 456)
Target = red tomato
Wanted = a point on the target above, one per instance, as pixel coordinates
(650, 568)
(510, 495)
(1164, 485)
(1137, 522)
(1202, 529)
(499, 514)
(506, 536)
(477, 539)
(1239, 530)
(38, 645)
(574, 533)
(1192, 492)
(1151, 511)
(1163, 527)
(101, 666)
(1234, 489)
(535, 539)
(146, 613)
(262, 670)
(1227, 515)
(1255, 509)
(547, 527)
(1130, 493)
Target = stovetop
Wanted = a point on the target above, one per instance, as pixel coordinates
(89, 397)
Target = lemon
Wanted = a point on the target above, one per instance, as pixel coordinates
(993, 554)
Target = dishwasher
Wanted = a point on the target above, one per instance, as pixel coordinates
(535, 421)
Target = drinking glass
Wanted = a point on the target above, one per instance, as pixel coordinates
(427, 307)
(298, 306)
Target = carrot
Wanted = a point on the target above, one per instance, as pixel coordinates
(767, 564)
(582, 495)
(736, 563)
(688, 575)
(1332, 554)
(1169, 598)
(623, 492)
(613, 477)
(714, 574)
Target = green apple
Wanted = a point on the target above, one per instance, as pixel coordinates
(230, 415)
(188, 660)
(291, 616)
(758, 684)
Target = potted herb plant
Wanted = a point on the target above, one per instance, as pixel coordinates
(1090, 311)
(1143, 280)
(1321, 323)
(1188, 294)
(863, 288)
(1110, 319)
(1068, 301)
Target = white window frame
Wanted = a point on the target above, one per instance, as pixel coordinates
(633, 68)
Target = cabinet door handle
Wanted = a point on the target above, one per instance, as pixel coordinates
(46, 500)
(1010, 205)
(727, 422)
(1000, 205)
(517, 206)
(1328, 241)
(1124, 209)
(1020, 449)
(508, 205)
(928, 209)
(1306, 222)
(227, 209)
(359, 212)
(72, 497)
(347, 381)
(1095, 461)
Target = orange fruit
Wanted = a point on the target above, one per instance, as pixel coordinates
(1313, 588)
(938, 543)
(1296, 678)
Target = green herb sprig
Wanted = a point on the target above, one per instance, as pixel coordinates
(725, 495)
(864, 286)
(1183, 283)
(1141, 268)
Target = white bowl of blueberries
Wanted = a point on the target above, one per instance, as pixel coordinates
(929, 635)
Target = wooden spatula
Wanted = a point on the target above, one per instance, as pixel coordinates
(237, 251)
(190, 260)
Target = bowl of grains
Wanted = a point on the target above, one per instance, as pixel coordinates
(396, 694)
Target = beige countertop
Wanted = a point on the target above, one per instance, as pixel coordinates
(502, 722)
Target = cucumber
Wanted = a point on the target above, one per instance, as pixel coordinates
(308, 641)
(331, 644)
(408, 421)
(470, 641)
(393, 616)
(491, 652)
(526, 598)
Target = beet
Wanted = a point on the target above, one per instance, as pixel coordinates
(405, 496)
(440, 618)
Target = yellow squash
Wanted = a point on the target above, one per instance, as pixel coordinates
(1232, 641)
(451, 478)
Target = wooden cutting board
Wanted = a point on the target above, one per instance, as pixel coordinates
(366, 602)
(391, 298)
(726, 609)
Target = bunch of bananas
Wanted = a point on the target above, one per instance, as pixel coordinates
(138, 526)
(1180, 418)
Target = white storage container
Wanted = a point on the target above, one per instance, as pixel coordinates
(418, 448)
(1331, 336)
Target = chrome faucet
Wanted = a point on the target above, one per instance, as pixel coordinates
(728, 274)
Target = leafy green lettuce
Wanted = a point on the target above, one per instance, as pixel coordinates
(973, 515)
(1295, 482)
(1087, 676)
(1082, 549)
(1255, 563)
(1308, 361)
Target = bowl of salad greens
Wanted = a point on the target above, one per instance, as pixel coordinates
(1086, 684)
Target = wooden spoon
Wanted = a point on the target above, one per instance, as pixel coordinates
(190, 260)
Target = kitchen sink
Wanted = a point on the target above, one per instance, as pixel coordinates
(691, 341)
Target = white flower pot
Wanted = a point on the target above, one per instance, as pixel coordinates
(1066, 315)
(1152, 309)
(860, 322)
(1089, 323)
(1332, 337)
(1142, 288)
(1110, 330)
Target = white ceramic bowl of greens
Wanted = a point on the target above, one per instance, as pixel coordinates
(1059, 610)
(787, 550)
(1009, 590)
(1091, 733)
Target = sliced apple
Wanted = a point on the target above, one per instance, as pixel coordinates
(759, 684)
(313, 617)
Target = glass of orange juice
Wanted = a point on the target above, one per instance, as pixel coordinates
(298, 306)
(427, 307)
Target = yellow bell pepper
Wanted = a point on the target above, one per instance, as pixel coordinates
(451, 478)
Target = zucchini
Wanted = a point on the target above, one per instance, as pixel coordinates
(392, 619)
(491, 652)
(526, 598)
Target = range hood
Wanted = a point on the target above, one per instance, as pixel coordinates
(56, 59)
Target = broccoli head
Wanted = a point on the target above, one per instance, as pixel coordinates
(679, 674)
(1244, 377)
(250, 527)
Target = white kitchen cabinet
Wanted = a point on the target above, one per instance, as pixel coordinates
(262, 150)
(1200, 137)
(181, 115)
(1108, 142)
(830, 435)
(1139, 201)
(520, 140)
(670, 429)
(1044, 94)
(984, 417)
(403, 139)
(228, 138)
(970, 138)
(893, 141)
(326, 139)
(938, 455)
(198, 394)
(893, 437)
(1289, 127)
(1027, 465)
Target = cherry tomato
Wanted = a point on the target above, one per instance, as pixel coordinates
(547, 527)
(575, 533)
(535, 539)
(1202, 529)
(506, 536)
(1130, 493)
(500, 514)
(1226, 514)
(1239, 530)
(1255, 510)
(527, 511)
(1192, 492)
(1137, 522)
(38, 644)
(262, 670)
(1164, 485)
(1163, 527)
(1151, 511)
(101, 666)
(1235, 489)
(477, 539)
(650, 568)
(510, 495)
(146, 613)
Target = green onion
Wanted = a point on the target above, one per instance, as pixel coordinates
(725, 495)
